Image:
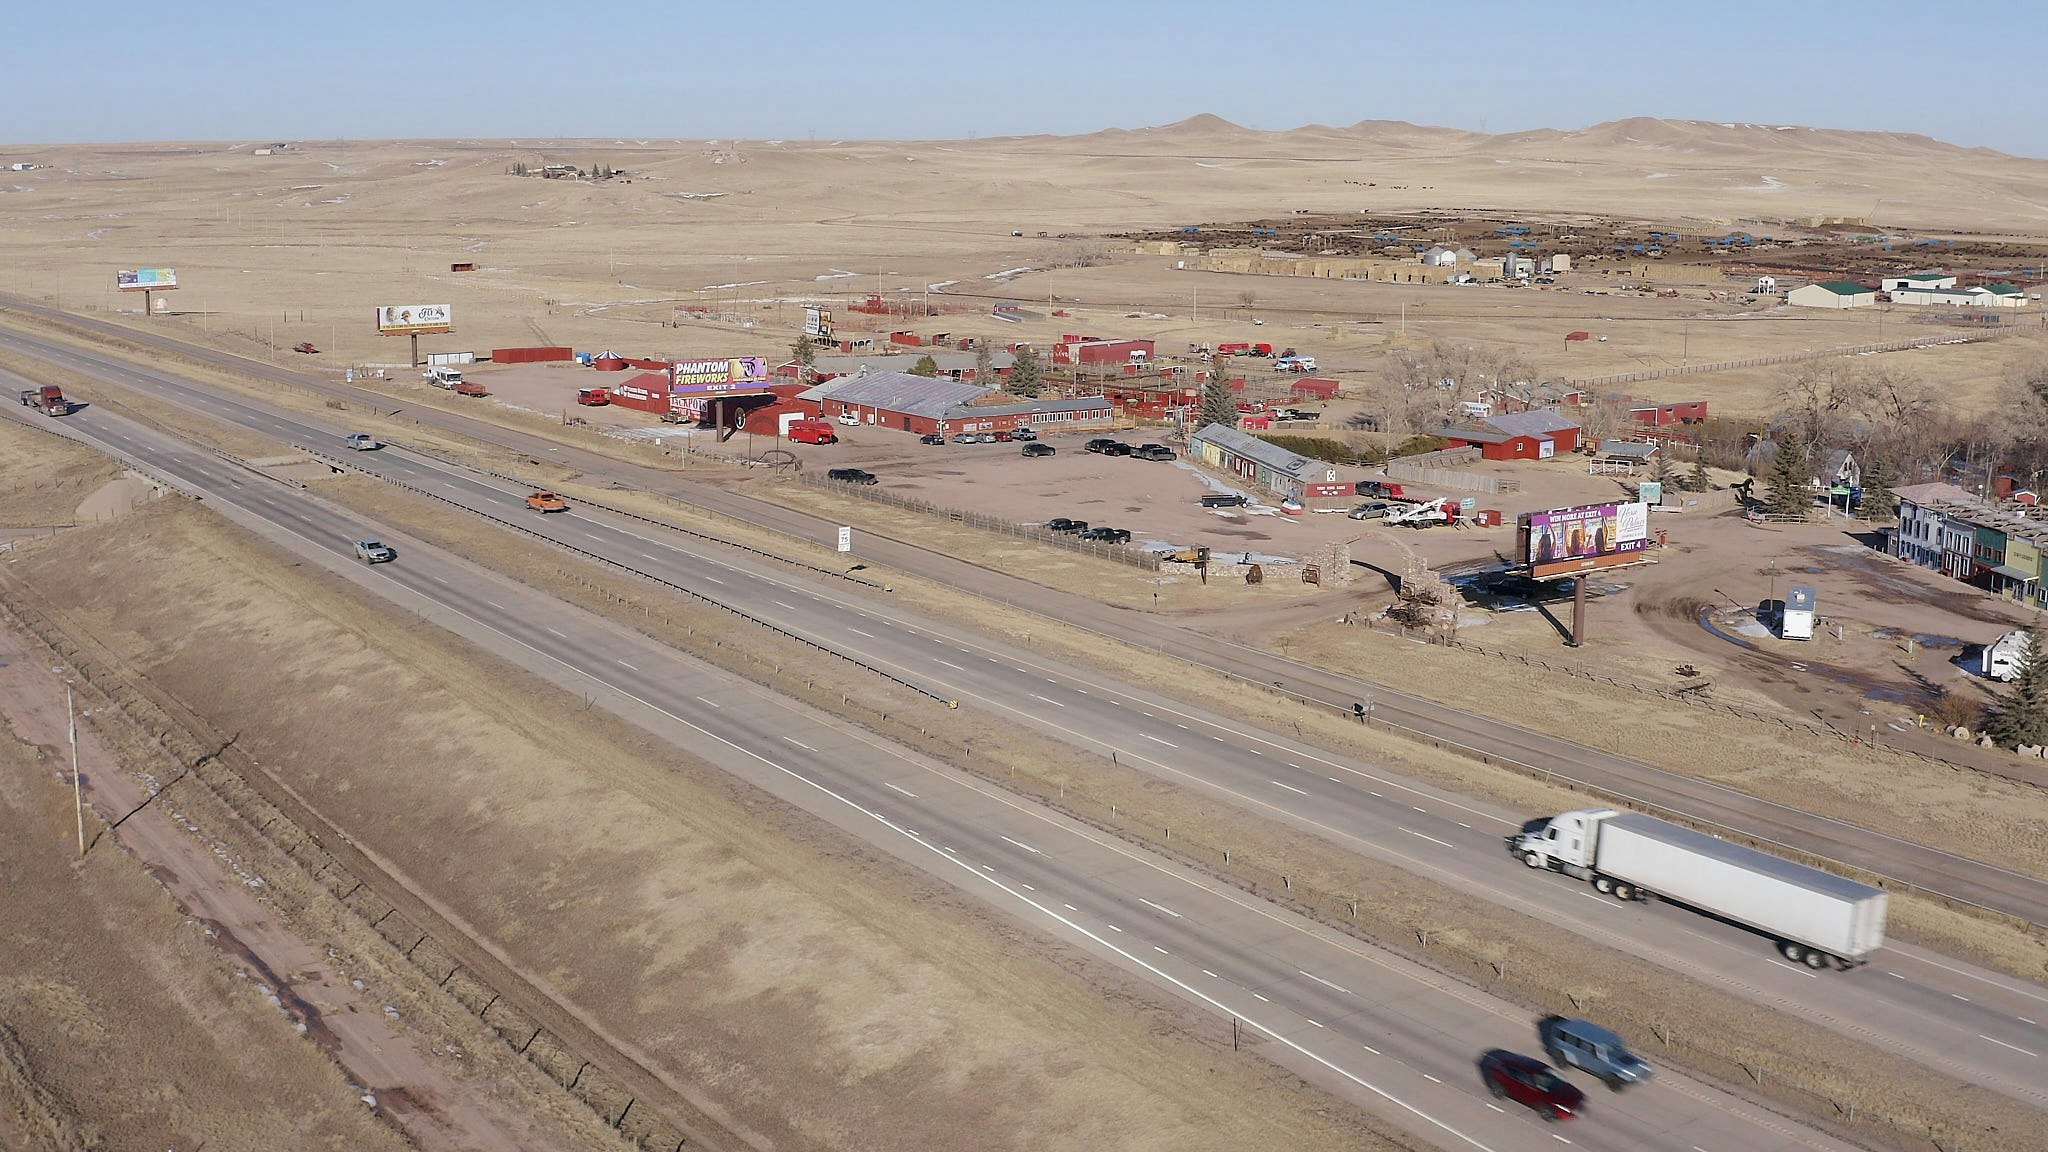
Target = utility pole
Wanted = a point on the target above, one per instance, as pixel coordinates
(77, 789)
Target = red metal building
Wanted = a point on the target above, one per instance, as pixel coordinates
(1535, 435)
(1074, 351)
(1652, 415)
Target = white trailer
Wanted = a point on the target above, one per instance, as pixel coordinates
(1815, 917)
(2004, 657)
(1795, 618)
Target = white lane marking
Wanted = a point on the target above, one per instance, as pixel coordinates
(1070, 907)
(1298, 766)
(1424, 811)
(563, 635)
(1114, 928)
(2024, 1020)
(858, 632)
(1375, 794)
(645, 556)
(1054, 703)
(1262, 997)
(900, 788)
(438, 580)
(1333, 779)
(2003, 1044)
(495, 604)
(1026, 887)
(1319, 1024)
(1431, 1079)
(1255, 752)
(1289, 787)
(1370, 1048)
(988, 868)
(1157, 740)
(1503, 1111)
(623, 664)
(947, 847)
(1048, 679)
(1024, 846)
(1431, 839)
(1559, 1139)
(714, 579)
(1217, 739)
(1462, 824)
(780, 604)
(1211, 975)
(1801, 971)
(1162, 908)
(1161, 951)
(1960, 996)
(713, 703)
(799, 743)
(953, 666)
(1325, 983)
(594, 536)
(1598, 900)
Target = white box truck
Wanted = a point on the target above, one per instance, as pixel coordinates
(1795, 617)
(1816, 918)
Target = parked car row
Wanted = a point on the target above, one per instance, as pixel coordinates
(1080, 528)
(1109, 447)
(1004, 437)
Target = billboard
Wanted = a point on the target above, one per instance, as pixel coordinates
(1567, 540)
(818, 324)
(146, 279)
(414, 319)
(740, 374)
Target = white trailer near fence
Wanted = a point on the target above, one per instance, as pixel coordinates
(1814, 916)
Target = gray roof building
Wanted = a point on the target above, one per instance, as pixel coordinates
(1264, 453)
(929, 396)
(948, 361)
(1534, 422)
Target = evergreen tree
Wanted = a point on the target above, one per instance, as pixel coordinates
(2020, 715)
(1791, 479)
(925, 366)
(984, 361)
(1878, 501)
(1661, 470)
(1217, 406)
(1027, 376)
(1697, 479)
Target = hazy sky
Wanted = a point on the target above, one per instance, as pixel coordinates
(232, 69)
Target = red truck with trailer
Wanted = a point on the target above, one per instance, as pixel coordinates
(1242, 348)
(49, 398)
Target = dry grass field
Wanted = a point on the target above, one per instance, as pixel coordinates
(302, 245)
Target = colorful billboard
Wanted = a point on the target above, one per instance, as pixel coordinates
(414, 319)
(818, 324)
(741, 374)
(146, 279)
(1567, 540)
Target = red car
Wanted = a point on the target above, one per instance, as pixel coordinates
(1530, 1081)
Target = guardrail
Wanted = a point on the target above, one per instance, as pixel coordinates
(647, 576)
(1117, 553)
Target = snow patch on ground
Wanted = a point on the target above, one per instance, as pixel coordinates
(1658, 176)
(1008, 274)
(836, 274)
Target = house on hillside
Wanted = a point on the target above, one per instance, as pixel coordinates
(1838, 472)
(1832, 294)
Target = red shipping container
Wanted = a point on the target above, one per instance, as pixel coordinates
(530, 355)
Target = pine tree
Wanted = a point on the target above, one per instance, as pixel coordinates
(2020, 715)
(1217, 406)
(1791, 479)
(1661, 470)
(1878, 501)
(984, 361)
(1697, 479)
(925, 366)
(1026, 375)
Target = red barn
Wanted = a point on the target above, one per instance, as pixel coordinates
(1534, 435)
(1651, 415)
(1074, 350)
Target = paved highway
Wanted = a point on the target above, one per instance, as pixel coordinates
(1397, 1039)
(1962, 1020)
(1953, 877)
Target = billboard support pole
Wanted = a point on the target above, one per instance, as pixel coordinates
(415, 349)
(148, 303)
(1578, 611)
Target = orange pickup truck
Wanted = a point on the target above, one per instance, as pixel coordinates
(547, 502)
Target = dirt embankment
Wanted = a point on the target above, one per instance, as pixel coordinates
(809, 988)
(125, 1027)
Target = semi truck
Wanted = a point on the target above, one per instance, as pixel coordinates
(47, 397)
(1816, 918)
